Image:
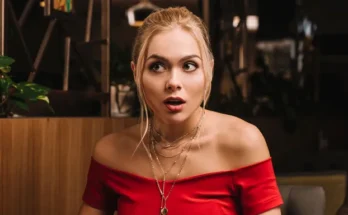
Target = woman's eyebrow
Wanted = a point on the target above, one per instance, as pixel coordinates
(158, 57)
(189, 57)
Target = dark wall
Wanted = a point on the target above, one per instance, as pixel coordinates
(317, 143)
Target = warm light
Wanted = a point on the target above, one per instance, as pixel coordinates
(307, 27)
(252, 22)
(137, 13)
(235, 21)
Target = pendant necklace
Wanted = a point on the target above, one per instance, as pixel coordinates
(163, 207)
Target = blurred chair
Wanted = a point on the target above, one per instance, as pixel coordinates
(302, 200)
(302, 189)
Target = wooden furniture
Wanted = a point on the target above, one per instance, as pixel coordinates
(44, 162)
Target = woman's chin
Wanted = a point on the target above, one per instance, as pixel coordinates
(172, 118)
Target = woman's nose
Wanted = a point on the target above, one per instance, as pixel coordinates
(173, 83)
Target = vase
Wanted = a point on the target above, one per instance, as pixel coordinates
(121, 100)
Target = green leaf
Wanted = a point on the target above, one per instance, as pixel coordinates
(5, 83)
(30, 91)
(6, 61)
(43, 98)
(34, 86)
(5, 69)
(20, 104)
(51, 109)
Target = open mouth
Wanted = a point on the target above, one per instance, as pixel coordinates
(174, 102)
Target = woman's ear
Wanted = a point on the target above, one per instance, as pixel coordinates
(133, 66)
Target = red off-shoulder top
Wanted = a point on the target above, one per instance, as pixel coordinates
(249, 190)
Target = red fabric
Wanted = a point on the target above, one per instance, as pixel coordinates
(249, 190)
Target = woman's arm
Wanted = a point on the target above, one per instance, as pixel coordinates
(88, 210)
(274, 211)
(257, 183)
(94, 193)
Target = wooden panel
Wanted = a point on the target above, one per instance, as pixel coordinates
(44, 162)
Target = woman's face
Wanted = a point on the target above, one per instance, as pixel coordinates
(173, 78)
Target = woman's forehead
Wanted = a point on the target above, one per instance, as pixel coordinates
(175, 43)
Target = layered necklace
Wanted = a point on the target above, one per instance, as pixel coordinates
(186, 146)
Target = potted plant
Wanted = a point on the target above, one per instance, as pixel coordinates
(17, 96)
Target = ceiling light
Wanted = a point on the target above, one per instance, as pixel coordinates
(137, 13)
(252, 22)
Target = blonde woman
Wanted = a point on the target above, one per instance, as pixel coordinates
(181, 158)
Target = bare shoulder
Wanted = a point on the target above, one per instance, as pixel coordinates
(110, 149)
(242, 143)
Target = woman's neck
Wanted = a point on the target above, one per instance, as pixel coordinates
(183, 130)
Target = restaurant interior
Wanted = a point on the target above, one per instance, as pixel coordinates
(280, 65)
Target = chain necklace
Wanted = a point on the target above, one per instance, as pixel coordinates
(170, 156)
(154, 142)
(164, 198)
(167, 143)
(175, 161)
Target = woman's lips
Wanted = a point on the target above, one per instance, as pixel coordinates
(174, 103)
(174, 108)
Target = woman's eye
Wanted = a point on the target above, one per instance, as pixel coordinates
(157, 67)
(190, 66)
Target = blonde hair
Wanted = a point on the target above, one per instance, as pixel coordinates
(163, 20)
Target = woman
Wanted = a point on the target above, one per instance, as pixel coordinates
(185, 159)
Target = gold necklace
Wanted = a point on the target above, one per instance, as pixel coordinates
(153, 140)
(163, 208)
(173, 164)
(169, 156)
(170, 143)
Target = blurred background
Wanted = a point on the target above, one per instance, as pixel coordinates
(273, 58)
(279, 64)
